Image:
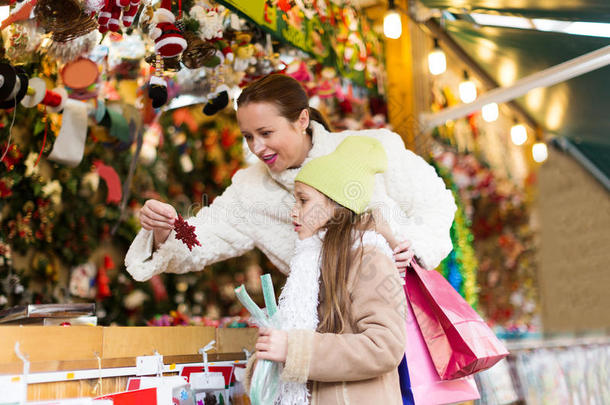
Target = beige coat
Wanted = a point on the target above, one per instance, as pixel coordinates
(359, 366)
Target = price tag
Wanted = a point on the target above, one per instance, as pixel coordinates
(13, 389)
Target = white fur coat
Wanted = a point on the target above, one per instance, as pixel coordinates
(254, 211)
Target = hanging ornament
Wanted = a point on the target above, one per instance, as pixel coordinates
(70, 50)
(79, 74)
(21, 12)
(94, 6)
(18, 43)
(210, 21)
(14, 85)
(185, 232)
(244, 55)
(129, 13)
(65, 19)
(159, 290)
(169, 41)
(145, 22)
(217, 101)
(157, 87)
(82, 281)
(169, 64)
(38, 94)
(198, 52)
(112, 179)
(103, 282)
(116, 11)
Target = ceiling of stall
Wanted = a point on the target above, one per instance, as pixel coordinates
(578, 109)
(573, 10)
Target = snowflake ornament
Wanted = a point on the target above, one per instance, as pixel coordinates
(185, 233)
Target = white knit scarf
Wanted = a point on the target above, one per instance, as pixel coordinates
(298, 304)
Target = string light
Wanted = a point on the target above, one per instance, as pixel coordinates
(392, 24)
(437, 62)
(468, 90)
(518, 134)
(539, 152)
(5, 11)
(490, 112)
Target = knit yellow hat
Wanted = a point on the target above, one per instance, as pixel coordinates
(347, 175)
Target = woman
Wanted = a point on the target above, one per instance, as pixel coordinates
(254, 211)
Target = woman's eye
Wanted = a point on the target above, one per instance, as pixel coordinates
(266, 133)
(248, 137)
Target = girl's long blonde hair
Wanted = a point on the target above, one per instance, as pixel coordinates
(342, 230)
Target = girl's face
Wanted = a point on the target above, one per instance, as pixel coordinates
(311, 211)
(279, 143)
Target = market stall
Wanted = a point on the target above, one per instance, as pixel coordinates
(104, 105)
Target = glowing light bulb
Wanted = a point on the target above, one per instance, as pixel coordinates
(518, 134)
(490, 112)
(540, 152)
(437, 61)
(5, 11)
(468, 90)
(392, 25)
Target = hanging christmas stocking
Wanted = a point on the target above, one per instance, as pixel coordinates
(70, 144)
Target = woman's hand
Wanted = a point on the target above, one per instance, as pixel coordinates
(272, 344)
(158, 217)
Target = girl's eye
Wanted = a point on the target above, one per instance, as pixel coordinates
(248, 137)
(302, 201)
(266, 133)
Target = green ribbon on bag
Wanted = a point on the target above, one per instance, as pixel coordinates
(266, 378)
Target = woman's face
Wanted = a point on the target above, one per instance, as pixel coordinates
(311, 211)
(279, 143)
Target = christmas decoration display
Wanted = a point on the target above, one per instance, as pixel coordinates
(460, 266)
(494, 218)
(93, 126)
(492, 183)
(492, 234)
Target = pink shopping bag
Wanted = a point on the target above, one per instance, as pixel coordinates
(458, 339)
(425, 384)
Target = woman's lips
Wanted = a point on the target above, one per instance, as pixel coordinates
(270, 160)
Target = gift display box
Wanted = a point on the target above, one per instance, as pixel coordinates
(76, 354)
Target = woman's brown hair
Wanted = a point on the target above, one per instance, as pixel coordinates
(286, 93)
(342, 230)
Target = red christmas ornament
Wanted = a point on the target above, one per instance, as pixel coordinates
(103, 281)
(103, 284)
(158, 287)
(185, 233)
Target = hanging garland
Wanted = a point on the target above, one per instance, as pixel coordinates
(460, 266)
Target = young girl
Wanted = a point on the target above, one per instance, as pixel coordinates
(342, 310)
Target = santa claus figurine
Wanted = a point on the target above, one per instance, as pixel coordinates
(169, 41)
